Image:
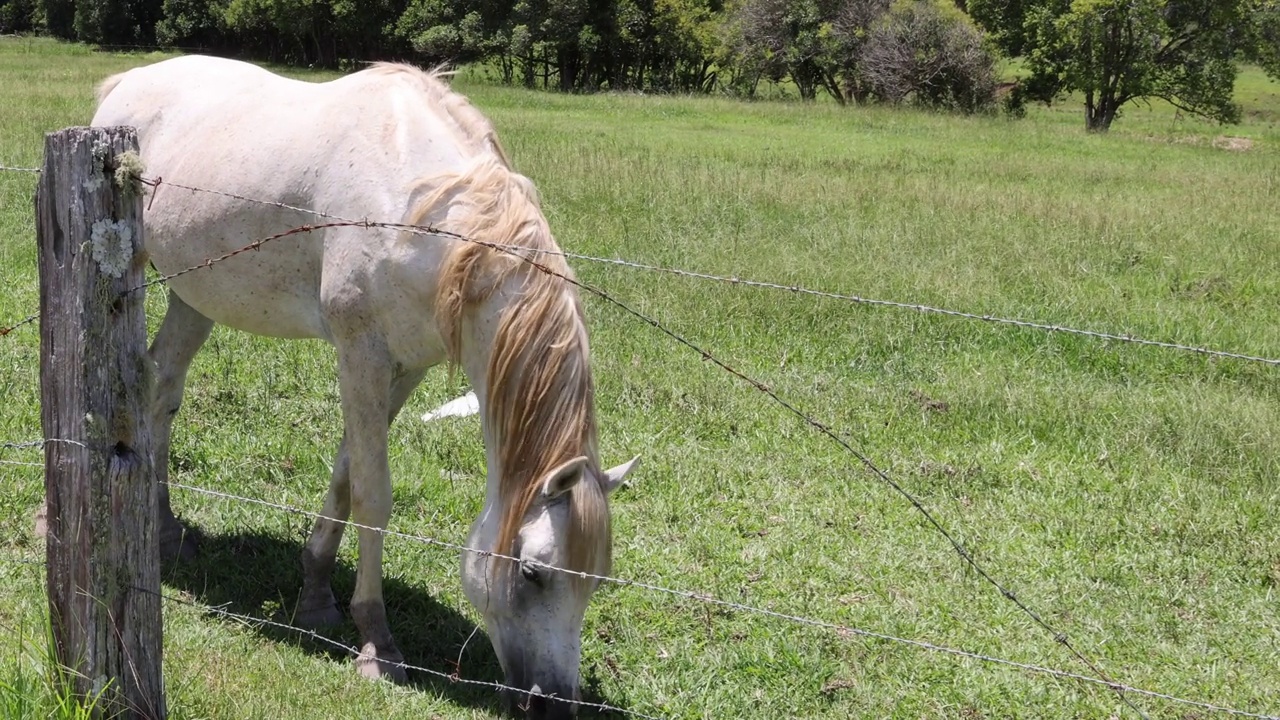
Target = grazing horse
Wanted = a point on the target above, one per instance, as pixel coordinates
(389, 142)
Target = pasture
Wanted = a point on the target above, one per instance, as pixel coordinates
(1128, 494)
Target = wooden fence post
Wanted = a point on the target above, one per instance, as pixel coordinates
(95, 382)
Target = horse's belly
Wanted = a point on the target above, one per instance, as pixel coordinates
(273, 291)
(273, 314)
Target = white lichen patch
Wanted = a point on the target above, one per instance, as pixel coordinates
(98, 174)
(112, 246)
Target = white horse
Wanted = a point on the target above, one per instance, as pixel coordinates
(390, 142)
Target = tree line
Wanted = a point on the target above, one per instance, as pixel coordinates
(938, 53)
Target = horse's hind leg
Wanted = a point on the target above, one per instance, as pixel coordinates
(180, 337)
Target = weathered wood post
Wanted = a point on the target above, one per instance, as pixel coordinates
(95, 382)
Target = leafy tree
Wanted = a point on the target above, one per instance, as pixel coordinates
(117, 22)
(444, 31)
(60, 18)
(815, 43)
(928, 52)
(1263, 43)
(197, 23)
(20, 16)
(1117, 51)
(1004, 21)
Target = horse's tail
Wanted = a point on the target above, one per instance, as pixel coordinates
(107, 86)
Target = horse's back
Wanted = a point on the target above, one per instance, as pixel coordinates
(344, 147)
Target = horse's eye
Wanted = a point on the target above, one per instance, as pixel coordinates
(530, 573)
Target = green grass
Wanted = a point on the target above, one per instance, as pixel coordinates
(1128, 494)
(32, 685)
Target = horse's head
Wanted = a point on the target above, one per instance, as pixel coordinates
(512, 318)
(532, 611)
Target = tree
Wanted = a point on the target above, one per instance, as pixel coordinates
(815, 43)
(60, 18)
(20, 16)
(929, 52)
(1117, 51)
(117, 22)
(1263, 44)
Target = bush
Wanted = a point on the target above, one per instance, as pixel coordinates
(196, 23)
(20, 16)
(929, 54)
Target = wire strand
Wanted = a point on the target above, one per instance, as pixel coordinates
(794, 289)
(451, 677)
(839, 629)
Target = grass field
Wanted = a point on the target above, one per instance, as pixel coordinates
(1128, 494)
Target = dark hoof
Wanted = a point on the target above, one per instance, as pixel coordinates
(385, 664)
(319, 616)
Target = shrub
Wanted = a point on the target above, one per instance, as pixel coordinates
(929, 54)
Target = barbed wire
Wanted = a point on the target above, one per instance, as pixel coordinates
(734, 280)
(840, 629)
(155, 183)
(10, 168)
(25, 321)
(799, 290)
(453, 677)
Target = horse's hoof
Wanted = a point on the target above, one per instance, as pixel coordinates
(385, 664)
(314, 618)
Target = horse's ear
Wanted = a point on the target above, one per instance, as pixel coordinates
(614, 476)
(563, 477)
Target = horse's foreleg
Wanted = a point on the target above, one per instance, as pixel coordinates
(317, 606)
(180, 337)
(365, 380)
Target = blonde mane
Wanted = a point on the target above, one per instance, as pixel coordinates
(540, 401)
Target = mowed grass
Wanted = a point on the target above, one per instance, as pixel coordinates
(1128, 494)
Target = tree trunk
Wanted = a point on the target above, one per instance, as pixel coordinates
(1099, 116)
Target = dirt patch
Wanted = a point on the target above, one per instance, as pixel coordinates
(1234, 144)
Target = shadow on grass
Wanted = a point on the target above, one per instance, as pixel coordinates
(260, 575)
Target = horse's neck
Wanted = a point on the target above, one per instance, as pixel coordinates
(480, 324)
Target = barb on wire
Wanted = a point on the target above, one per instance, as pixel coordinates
(25, 321)
(839, 629)
(255, 245)
(451, 677)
